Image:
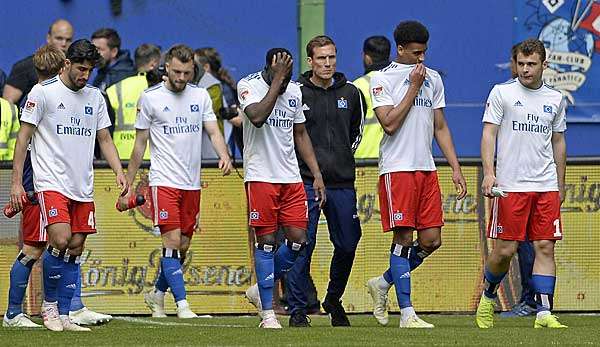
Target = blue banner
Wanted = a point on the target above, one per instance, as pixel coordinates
(570, 30)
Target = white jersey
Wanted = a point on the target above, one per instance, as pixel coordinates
(175, 123)
(269, 154)
(62, 147)
(409, 149)
(527, 119)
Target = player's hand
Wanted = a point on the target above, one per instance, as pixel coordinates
(225, 166)
(459, 184)
(417, 76)
(16, 193)
(123, 184)
(281, 66)
(486, 186)
(319, 188)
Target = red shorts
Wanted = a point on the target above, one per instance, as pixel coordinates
(410, 199)
(57, 208)
(276, 204)
(31, 226)
(536, 215)
(175, 208)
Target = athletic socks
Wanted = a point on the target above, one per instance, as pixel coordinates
(264, 262)
(387, 276)
(67, 283)
(76, 303)
(491, 283)
(171, 270)
(400, 269)
(285, 256)
(19, 277)
(416, 255)
(544, 293)
(52, 270)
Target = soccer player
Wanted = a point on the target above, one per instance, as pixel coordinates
(62, 116)
(172, 115)
(527, 118)
(273, 130)
(48, 62)
(408, 99)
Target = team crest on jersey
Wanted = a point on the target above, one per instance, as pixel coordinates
(244, 94)
(53, 212)
(547, 109)
(378, 91)
(292, 102)
(398, 216)
(342, 103)
(163, 215)
(29, 106)
(254, 215)
(194, 108)
(88, 110)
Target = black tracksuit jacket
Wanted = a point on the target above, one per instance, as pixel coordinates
(334, 122)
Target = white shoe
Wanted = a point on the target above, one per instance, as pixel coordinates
(156, 304)
(86, 316)
(185, 312)
(253, 297)
(19, 321)
(70, 326)
(270, 322)
(50, 316)
(415, 322)
(380, 299)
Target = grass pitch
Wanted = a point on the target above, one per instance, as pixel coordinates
(238, 331)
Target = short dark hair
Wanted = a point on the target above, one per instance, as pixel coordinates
(145, 53)
(83, 50)
(210, 56)
(113, 40)
(410, 31)
(318, 41)
(272, 52)
(513, 51)
(378, 48)
(182, 52)
(529, 47)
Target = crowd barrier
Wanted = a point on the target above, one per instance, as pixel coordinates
(121, 261)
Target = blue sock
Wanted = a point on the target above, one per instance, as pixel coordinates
(76, 303)
(171, 269)
(19, 278)
(52, 270)
(544, 291)
(285, 257)
(161, 282)
(387, 276)
(416, 255)
(264, 263)
(492, 282)
(400, 269)
(67, 286)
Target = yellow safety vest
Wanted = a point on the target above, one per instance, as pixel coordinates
(124, 97)
(372, 132)
(9, 127)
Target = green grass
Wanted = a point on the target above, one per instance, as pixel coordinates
(235, 331)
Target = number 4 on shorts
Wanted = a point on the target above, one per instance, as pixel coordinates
(92, 224)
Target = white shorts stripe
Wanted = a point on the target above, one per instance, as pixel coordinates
(494, 226)
(154, 191)
(388, 188)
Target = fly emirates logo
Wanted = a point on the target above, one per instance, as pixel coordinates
(182, 126)
(73, 128)
(278, 119)
(532, 125)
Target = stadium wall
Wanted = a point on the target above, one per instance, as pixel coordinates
(470, 41)
(120, 262)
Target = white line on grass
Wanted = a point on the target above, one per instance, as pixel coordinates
(153, 322)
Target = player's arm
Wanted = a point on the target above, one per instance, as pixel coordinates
(137, 154)
(392, 118)
(258, 112)
(109, 151)
(358, 120)
(16, 191)
(559, 149)
(444, 140)
(218, 142)
(488, 148)
(305, 149)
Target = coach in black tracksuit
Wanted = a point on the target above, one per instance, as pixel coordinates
(334, 110)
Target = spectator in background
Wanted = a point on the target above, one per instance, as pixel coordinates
(123, 97)
(376, 56)
(22, 76)
(116, 65)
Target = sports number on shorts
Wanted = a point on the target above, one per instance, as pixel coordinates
(91, 220)
(557, 232)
